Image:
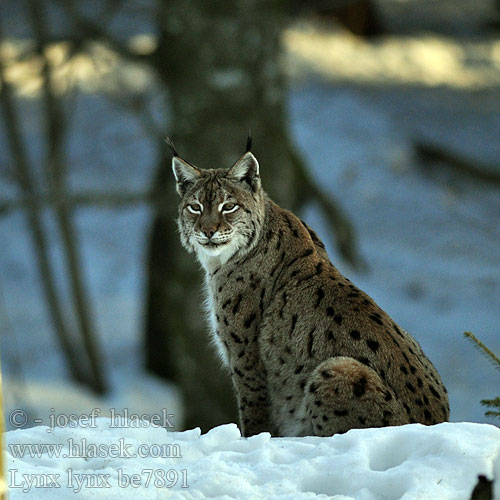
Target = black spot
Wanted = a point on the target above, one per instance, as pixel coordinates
(319, 426)
(302, 383)
(326, 374)
(310, 342)
(325, 418)
(427, 415)
(318, 403)
(410, 386)
(353, 294)
(294, 322)
(319, 267)
(308, 252)
(282, 361)
(283, 306)
(404, 369)
(413, 370)
(292, 411)
(376, 318)
(226, 303)
(313, 388)
(407, 408)
(373, 345)
(365, 361)
(288, 398)
(338, 319)
(220, 289)
(278, 264)
(359, 387)
(419, 382)
(426, 400)
(261, 303)
(235, 337)
(329, 335)
(330, 311)
(387, 396)
(299, 369)
(250, 320)
(385, 422)
(240, 279)
(397, 330)
(434, 392)
(362, 420)
(237, 303)
(419, 402)
(355, 335)
(291, 227)
(341, 413)
(320, 293)
(238, 372)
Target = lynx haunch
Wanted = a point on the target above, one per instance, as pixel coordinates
(308, 352)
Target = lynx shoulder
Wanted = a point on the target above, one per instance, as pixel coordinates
(308, 352)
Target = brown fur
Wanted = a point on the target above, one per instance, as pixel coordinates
(309, 353)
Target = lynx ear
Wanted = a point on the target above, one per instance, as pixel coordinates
(185, 174)
(246, 169)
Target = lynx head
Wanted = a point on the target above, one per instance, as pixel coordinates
(221, 210)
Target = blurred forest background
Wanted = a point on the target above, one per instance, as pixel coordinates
(377, 120)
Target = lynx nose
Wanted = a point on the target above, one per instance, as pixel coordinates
(209, 232)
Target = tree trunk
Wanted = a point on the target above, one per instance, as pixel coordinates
(220, 62)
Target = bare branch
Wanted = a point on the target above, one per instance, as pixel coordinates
(55, 171)
(108, 199)
(14, 139)
(438, 154)
(91, 30)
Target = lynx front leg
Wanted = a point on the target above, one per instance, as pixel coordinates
(253, 403)
(343, 393)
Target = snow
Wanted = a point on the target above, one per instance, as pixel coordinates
(407, 462)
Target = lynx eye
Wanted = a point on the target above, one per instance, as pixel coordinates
(229, 208)
(195, 208)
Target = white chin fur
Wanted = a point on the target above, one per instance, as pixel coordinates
(215, 255)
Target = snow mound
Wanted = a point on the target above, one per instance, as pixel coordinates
(103, 461)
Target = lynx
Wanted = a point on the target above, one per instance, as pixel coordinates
(308, 352)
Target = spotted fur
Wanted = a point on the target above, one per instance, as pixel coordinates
(309, 353)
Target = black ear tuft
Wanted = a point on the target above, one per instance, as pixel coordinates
(249, 142)
(171, 146)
